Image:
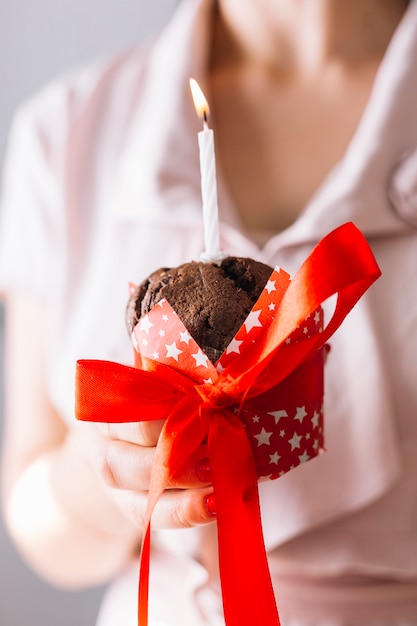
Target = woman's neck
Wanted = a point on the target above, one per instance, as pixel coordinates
(289, 81)
(303, 36)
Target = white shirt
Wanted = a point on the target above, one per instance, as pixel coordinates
(102, 186)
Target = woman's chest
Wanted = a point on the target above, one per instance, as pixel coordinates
(277, 144)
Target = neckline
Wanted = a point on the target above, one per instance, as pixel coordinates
(342, 178)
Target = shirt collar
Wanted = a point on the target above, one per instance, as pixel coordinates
(357, 189)
(160, 171)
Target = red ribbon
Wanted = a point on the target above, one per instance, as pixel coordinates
(342, 264)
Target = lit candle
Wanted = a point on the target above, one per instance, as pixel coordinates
(212, 251)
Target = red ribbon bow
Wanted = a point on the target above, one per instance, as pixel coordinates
(343, 264)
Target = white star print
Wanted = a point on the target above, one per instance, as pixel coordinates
(282, 433)
(172, 350)
(316, 444)
(155, 356)
(185, 337)
(317, 317)
(234, 346)
(274, 458)
(145, 324)
(303, 457)
(278, 414)
(270, 286)
(263, 438)
(255, 419)
(161, 333)
(200, 358)
(301, 413)
(207, 380)
(295, 441)
(315, 419)
(165, 317)
(252, 320)
(272, 306)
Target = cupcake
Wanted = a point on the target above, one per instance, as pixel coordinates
(212, 300)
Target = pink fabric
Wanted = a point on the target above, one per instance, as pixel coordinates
(348, 601)
(105, 163)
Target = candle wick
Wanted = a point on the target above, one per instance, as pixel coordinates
(205, 119)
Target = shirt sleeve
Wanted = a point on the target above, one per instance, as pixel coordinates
(31, 206)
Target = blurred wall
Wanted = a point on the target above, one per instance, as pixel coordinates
(40, 39)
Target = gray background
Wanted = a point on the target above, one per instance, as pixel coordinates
(39, 40)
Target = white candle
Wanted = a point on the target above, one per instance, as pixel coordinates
(212, 251)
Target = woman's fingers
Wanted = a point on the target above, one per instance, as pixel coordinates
(126, 468)
(176, 508)
(141, 433)
(124, 465)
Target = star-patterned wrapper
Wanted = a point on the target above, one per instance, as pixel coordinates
(283, 433)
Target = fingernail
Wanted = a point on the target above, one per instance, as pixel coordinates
(203, 471)
(211, 504)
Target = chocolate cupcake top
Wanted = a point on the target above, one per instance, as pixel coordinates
(211, 300)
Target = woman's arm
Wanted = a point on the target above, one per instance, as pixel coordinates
(57, 509)
(75, 499)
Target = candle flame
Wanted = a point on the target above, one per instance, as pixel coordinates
(200, 102)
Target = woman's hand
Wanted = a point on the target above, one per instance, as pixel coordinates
(122, 456)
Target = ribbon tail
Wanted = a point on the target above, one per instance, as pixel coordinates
(156, 488)
(181, 435)
(248, 595)
(143, 591)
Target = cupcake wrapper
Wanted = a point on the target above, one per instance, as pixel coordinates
(285, 424)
